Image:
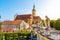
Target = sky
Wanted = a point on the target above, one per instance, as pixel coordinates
(10, 8)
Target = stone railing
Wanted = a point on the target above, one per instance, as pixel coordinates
(41, 37)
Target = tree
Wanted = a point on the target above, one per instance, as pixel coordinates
(43, 22)
(57, 24)
(52, 23)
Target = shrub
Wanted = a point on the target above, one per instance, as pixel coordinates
(52, 23)
(57, 24)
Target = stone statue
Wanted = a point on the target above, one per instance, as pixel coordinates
(47, 23)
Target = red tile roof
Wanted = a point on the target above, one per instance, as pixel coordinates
(36, 17)
(12, 22)
(24, 17)
(27, 16)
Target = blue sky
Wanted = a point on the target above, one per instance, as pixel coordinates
(9, 8)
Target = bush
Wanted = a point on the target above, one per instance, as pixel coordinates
(57, 24)
(52, 23)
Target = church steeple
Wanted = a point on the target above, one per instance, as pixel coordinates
(34, 11)
(34, 8)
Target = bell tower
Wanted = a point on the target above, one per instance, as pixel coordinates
(34, 11)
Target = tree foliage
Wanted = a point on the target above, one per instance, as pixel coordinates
(52, 23)
(57, 24)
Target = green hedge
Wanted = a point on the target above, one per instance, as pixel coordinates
(14, 35)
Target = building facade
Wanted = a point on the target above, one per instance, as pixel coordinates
(12, 26)
(29, 18)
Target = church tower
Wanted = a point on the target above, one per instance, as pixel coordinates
(33, 11)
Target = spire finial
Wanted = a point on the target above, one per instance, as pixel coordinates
(34, 7)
